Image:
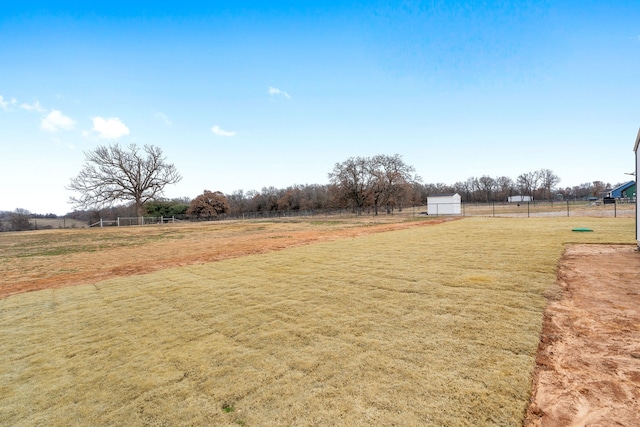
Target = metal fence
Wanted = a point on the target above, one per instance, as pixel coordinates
(492, 209)
(139, 220)
(545, 209)
(306, 214)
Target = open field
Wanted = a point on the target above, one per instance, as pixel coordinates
(427, 325)
(57, 258)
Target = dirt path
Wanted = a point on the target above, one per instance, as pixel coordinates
(588, 363)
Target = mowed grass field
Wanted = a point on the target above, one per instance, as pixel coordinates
(435, 325)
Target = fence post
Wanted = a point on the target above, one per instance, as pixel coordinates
(494, 209)
(528, 203)
(141, 220)
(615, 209)
(100, 222)
(118, 221)
(567, 209)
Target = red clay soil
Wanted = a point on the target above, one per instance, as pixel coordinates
(588, 363)
(93, 267)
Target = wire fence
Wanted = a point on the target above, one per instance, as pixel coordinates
(580, 208)
(492, 209)
(596, 208)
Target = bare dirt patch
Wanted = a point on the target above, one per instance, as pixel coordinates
(588, 363)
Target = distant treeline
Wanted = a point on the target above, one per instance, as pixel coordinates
(357, 184)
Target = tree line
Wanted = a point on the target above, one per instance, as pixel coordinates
(322, 197)
(137, 177)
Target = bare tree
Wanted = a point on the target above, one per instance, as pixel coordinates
(548, 180)
(599, 188)
(353, 182)
(528, 183)
(112, 174)
(19, 220)
(486, 188)
(391, 176)
(473, 186)
(504, 187)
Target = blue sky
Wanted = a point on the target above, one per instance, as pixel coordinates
(249, 94)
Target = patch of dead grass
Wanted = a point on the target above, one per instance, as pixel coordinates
(426, 326)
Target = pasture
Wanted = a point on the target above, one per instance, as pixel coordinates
(319, 324)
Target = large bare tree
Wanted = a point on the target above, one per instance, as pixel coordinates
(528, 183)
(353, 182)
(373, 181)
(392, 179)
(112, 174)
(549, 180)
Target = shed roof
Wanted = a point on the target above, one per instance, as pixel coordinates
(443, 195)
(635, 148)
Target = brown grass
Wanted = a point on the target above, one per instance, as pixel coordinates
(57, 258)
(425, 326)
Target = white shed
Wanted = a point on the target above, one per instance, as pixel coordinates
(520, 199)
(444, 204)
(636, 148)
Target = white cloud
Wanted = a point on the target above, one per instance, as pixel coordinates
(55, 121)
(163, 118)
(32, 107)
(110, 128)
(221, 132)
(4, 104)
(274, 91)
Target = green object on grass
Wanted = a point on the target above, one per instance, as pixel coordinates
(582, 229)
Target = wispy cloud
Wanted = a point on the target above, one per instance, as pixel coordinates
(4, 105)
(275, 92)
(55, 121)
(111, 128)
(162, 117)
(33, 107)
(221, 132)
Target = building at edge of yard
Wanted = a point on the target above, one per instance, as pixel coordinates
(444, 204)
(626, 190)
(636, 148)
(520, 199)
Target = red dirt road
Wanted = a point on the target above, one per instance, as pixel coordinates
(588, 363)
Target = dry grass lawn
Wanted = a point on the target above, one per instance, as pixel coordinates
(427, 326)
(56, 258)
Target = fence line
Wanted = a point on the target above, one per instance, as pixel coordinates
(542, 209)
(129, 221)
(491, 209)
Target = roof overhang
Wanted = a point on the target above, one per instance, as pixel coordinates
(635, 147)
